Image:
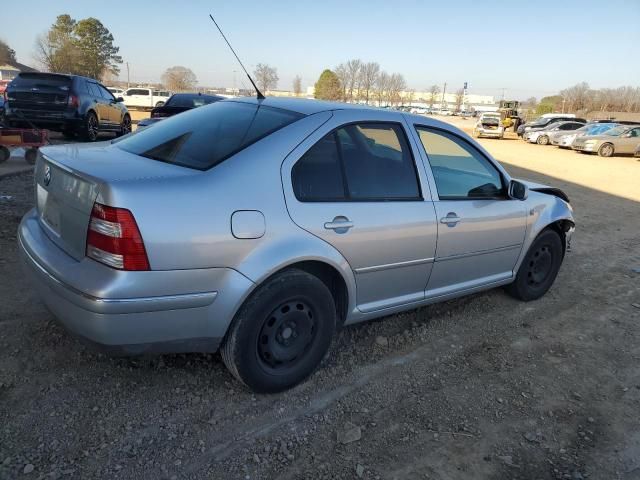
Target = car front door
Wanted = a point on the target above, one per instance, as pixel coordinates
(627, 142)
(355, 184)
(113, 108)
(480, 229)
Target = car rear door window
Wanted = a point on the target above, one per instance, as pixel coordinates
(460, 171)
(92, 88)
(358, 162)
(203, 137)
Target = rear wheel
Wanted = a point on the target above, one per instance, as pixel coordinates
(90, 128)
(606, 150)
(282, 332)
(543, 140)
(5, 153)
(539, 268)
(159, 104)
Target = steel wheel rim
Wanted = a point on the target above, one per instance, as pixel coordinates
(92, 127)
(607, 150)
(286, 335)
(126, 125)
(540, 266)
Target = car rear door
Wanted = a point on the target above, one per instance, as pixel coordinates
(355, 184)
(99, 104)
(480, 229)
(113, 109)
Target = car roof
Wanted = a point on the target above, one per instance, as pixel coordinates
(302, 105)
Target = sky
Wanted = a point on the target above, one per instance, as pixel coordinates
(528, 48)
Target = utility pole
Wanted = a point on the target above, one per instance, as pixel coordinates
(444, 91)
(503, 90)
(563, 100)
(127, 74)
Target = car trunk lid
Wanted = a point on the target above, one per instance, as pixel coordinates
(39, 91)
(69, 179)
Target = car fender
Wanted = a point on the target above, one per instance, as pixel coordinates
(544, 209)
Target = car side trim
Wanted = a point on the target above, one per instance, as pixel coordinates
(121, 305)
(479, 252)
(408, 263)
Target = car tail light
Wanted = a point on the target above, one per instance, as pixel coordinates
(114, 239)
(73, 101)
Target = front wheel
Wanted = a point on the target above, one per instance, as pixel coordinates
(5, 153)
(606, 150)
(30, 155)
(125, 126)
(282, 332)
(543, 140)
(160, 104)
(539, 268)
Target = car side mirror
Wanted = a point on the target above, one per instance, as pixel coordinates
(518, 190)
(119, 100)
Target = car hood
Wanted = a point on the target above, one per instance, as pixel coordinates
(539, 187)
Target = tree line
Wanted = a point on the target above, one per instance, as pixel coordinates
(582, 98)
(363, 82)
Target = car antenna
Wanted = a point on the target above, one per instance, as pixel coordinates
(260, 95)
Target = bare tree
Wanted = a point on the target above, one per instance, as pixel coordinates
(381, 87)
(342, 73)
(459, 99)
(397, 84)
(179, 79)
(353, 74)
(434, 90)
(368, 75)
(576, 96)
(266, 77)
(297, 85)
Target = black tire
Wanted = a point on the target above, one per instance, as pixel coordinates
(125, 126)
(5, 153)
(90, 127)
(281, 333)
(69, 134)
(543, 140)
(31, 155)
(606, 150)
(539, 268)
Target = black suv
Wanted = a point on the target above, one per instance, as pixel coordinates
(69, 104)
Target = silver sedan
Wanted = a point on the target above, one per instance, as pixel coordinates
(261, 227)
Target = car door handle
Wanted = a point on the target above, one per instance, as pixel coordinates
(451, 219)
(339, 225)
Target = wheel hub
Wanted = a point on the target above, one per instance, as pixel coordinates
(286, 334)
(540, 265)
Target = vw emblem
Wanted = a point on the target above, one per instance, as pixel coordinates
(47, 175)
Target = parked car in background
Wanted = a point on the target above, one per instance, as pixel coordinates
(178, 103)
(262, 226)
(69, 104)
(564, 139)
(419, 110)
(1, 108)
(489, 125)
(622, 139)
(637, 152)
(542, 136)
(545, 121)
(117, 92)
(144, 97)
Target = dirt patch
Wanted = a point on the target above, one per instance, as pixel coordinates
(481, 387)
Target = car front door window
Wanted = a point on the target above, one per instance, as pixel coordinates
(459, 170)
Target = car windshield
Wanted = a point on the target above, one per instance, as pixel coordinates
(190, 101)
(203, 137)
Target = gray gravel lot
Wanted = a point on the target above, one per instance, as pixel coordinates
(481, 387)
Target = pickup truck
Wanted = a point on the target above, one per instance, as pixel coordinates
(144, 97)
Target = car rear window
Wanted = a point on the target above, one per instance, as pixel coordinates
(41, 80)
(190, 101)
(203, 137)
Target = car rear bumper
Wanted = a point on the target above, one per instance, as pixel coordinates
(131, 312)
(42, 118)
(490, 133)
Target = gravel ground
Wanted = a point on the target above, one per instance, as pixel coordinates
(481, 387)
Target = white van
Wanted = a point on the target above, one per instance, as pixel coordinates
(145, 97)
